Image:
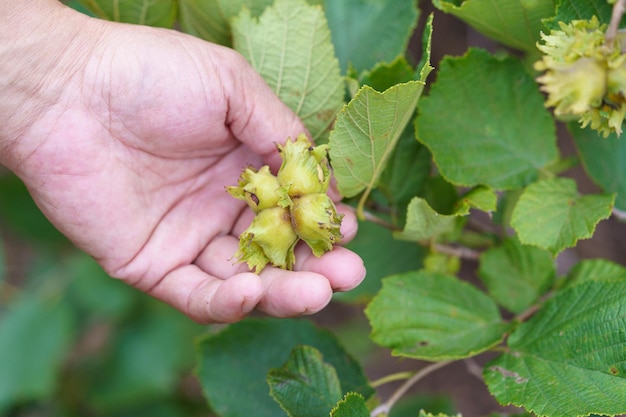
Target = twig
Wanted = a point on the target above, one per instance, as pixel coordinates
(619, 214)
(459, 251)
(386, 406)
(524, 315)
(367, 216)
(616, 16)
(391, 378)
(473, 368)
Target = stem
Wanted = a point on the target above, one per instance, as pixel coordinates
(391, 378)
(616, 16)
(367, 216)
(524, 315)
(386, 407)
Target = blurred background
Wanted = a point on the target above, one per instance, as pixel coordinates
(74, 342)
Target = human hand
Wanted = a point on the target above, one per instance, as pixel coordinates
(126, 140)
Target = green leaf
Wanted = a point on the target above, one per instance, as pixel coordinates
(75, 4)
(352, 405)
(595, 270)
(205, 19)
(151, 350)
(515, 23)
(366, 32)
(516, 275)
(481, 198)
(426, 414)
(366, 133)
(570, 358)
(22, 216)
(604, 159)
(376, 246)
(367, 130)
(434, 317)
(234, 363)
(406, 174)
(568, 10)
(387, 74)
(210, 19)
(494, 144)
(442, 263)
(442, 196)
(2, 263)
(552, 214)
(290, 46)
(94, 293)
(35, 338)
(305, 386)
(231, 8)
(410, 406)
(142, 12)
(423, 223)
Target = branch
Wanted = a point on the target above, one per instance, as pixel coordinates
(386, 406)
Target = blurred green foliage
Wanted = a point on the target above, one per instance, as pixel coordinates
(75, 342)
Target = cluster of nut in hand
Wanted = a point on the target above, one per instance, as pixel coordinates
(289, 207)
(585, 74)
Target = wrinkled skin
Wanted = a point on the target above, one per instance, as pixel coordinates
(126, 136)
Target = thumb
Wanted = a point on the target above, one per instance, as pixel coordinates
(256, 116)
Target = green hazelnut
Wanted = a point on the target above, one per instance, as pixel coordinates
(315, 220)
(575, 88)
(269, 239)
(257, 188)
(305, 168)
(585, 76)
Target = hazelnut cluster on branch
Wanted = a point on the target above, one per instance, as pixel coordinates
(585, 75)
(289, 207)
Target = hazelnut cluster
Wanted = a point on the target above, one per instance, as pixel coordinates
(289, 207)
(585, 76)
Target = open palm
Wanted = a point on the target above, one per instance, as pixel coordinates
(131, 157)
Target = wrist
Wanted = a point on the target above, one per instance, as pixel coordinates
(40, 51)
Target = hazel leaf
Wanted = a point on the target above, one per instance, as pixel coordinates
(352, 405)
(513, 23)
(569, 359)
(305, 386)
(604, 160)
(290, 46)
(368, 128)
(433, 316)
(552, 215)
(366, 32)
(516, 275)
(494, 144)
(143, 12)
